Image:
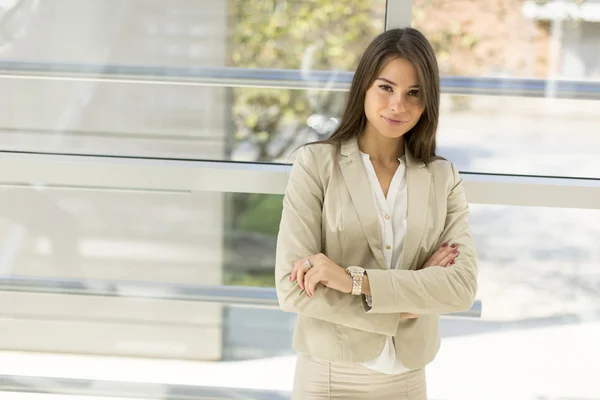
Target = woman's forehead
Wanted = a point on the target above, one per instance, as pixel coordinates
(400, 72)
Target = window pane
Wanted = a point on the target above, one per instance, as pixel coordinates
(511, 38)
(47, 42)
(203, 238)
(105, 240)
(553, 134)
(145, 251)
(539, 284)
(190, 122)
(202, 33)
(528, 136)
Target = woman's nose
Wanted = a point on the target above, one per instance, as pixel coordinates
(397, 104)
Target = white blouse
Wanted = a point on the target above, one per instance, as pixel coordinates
(392, 223)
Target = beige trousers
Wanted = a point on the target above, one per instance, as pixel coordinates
(323, 380)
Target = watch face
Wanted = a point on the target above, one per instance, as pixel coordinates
(355, 270)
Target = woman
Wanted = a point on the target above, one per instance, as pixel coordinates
(374, 242)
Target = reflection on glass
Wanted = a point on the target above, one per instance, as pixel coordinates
(517, 39)
(179, 121)
(149, 253)
(252, 222)
(522, 136)
(539, 284)
(492, 38)
(104, 240)
(307, 35)
(191, 122)
(271, 124)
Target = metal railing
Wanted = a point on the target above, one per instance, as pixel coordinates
(132, 390)
(285, 79)
(231, 295)
(186, 177)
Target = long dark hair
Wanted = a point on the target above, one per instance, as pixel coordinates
(411, 45)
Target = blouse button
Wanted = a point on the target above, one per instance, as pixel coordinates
(387, 247)
(387, 216)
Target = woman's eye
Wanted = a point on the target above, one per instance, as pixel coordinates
(413, 93)
(387, 88)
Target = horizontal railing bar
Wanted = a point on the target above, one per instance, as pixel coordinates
(82, 172)
(133, 390)
(285, 79)
(247, 296)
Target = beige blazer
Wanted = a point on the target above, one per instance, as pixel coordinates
(329, 208)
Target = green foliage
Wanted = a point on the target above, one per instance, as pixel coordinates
(263, 215)
(282, 34)
(262, 279)
(307, 35)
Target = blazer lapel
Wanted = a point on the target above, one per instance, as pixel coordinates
(418, 182)
(357, 182)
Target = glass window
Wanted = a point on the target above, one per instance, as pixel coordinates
(176, 80)
(205, 238)
(119, 273)
(522, 136)
(493, 47)
(538, 283)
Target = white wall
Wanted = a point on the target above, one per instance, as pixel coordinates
(581, 50)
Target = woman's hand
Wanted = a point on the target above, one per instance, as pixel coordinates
(322, 270)
(443, 257)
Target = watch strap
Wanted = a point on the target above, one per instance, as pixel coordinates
(357, 279)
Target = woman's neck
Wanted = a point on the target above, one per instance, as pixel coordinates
(383, 149)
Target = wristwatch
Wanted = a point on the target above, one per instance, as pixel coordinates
(357, 274)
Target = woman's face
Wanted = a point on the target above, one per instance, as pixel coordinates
(393, 102)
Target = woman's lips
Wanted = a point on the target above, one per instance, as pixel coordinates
(395, 122)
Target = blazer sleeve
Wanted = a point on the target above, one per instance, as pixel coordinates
(300, 236)
(433, 290)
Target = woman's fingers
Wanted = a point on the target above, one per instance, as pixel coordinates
(443, 256)
(438, 251)
(437, 260)
(310, 283)
(448, 259)
(294, 273)
(300, 271)
(439, 255)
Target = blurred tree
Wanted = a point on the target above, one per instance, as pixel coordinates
(482, 38)
(475, 38)
(470, 38)
(298, 35)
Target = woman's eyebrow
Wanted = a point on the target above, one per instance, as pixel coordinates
(395, 84)
(387, 80)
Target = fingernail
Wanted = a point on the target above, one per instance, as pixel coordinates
(455, 252)
(453, 246)
(452, 262)
(445, 245)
